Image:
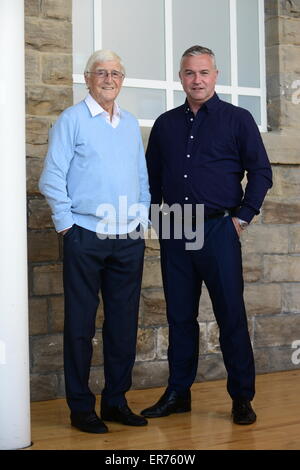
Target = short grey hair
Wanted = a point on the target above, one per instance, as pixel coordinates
(102, 55)
(198, 50)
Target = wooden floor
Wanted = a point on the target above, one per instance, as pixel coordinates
(208, 426)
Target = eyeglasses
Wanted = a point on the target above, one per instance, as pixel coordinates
(115, 74)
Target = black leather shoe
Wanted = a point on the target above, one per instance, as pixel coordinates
(121, 414)
(170, 402)
(88, 422)
(242, 412)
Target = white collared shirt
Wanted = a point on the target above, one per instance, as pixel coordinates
(95, 109)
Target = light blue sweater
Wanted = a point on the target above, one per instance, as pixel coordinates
(90, 164)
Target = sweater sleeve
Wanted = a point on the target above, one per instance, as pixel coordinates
(53, 180)
(255, 162)
(153, 158)
(144, 197)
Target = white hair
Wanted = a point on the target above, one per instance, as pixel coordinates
(102, 55)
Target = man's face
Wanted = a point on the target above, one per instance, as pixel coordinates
(198, 77)
(104, 89)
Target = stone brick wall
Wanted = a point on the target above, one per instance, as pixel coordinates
(279, 233)
(48, 36)
(271, 245)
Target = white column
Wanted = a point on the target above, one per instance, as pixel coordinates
(14, 357)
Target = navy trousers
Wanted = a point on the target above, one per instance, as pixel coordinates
(113, 266)
(219, 264)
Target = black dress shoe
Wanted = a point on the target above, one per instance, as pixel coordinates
(170, 402)
(242, 411)
(88, 422)
(121, 414)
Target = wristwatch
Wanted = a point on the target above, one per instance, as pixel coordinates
(243, 224)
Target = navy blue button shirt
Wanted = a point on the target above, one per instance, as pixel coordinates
(202, 159)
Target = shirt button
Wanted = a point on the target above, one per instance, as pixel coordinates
(192, 136)
(185, 176)
(188, 155)
(186, 198)
(191, 119)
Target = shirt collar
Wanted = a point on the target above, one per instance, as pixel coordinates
(209, 105)
(95, 107)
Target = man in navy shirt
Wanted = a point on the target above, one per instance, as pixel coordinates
(199, 153)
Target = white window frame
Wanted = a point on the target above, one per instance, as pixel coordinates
(169, 85)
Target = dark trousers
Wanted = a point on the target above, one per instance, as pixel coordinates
(219, 265)
(113, 266)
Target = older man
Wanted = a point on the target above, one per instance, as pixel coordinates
(198, 153)
(94, 171)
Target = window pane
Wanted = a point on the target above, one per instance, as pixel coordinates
(248, 43)
(144, 103)
(135, 30)
(252, 103)
(83, 32)
(204, 23)
(225, 97)
(179, 98)
(79, 92)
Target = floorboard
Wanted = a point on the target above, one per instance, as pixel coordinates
(207, 427)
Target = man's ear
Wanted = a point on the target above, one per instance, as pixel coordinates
(86, 80)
